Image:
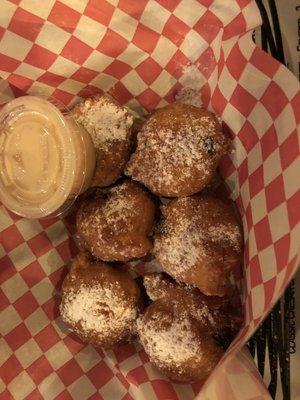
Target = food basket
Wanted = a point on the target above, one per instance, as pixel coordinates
(143, 53)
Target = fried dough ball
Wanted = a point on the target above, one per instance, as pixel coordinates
(109, 125)
(116, 227)
(198, 242)
(178, 150)
(100, 303)
(177, 345)
(221, 315)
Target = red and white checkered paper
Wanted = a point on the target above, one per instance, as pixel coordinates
(137, 51)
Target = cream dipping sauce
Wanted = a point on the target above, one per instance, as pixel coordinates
(46, 159)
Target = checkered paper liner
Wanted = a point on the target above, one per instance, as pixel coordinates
(137, 51)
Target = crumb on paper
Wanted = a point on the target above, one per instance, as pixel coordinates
(192, 81)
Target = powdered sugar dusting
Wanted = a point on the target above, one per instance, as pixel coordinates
(203, 314)
(97, 309)
(184, 236)
(179, 245)
(182, 154)
(159, 287)
(227, 233)
(115, 226)
(172, 345)
(155, 287)
(105, 121)
(115, 209)
(192, 81)
(192, 77)
(118, 206)
(186, 153)
(181, 248)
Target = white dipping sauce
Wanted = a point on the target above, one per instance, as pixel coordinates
(46, 158)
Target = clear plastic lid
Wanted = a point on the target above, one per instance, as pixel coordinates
(40, 173)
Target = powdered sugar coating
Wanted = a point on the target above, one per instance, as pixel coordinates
(118, 207)
(110, 127)
(98, 309)
(216, 313)
(230, 233)
(192, 81)
(177, 344)
(178, 150)
(156, 287)
(100, 303)
(116, 227)
(199, 239)
(159, 287)
(105, 121)
(172, 345)
(181, 246)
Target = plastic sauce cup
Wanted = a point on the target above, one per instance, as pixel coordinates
(46, 158)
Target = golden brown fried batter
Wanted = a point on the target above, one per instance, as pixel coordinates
(178, 151)
(109, 125)
(100, 303)
(177, 344)
(116, 227)
(218, 314)
(198, 242)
